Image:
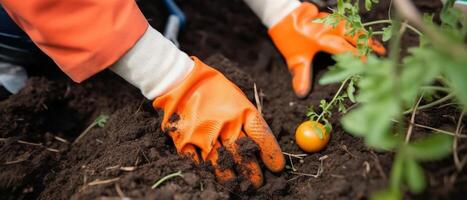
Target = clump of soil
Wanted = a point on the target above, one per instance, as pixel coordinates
(38, 158)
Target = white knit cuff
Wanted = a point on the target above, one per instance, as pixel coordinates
(272, 11)
(154, 65)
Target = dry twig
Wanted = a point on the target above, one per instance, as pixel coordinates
(100, 182)
(120, 192)
(61, 139)
(318, 172)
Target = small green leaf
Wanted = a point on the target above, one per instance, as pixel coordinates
(456, 72)
(319, 132)
(387, 33)
(323, 104)
(450, 17)
(101, 120)
(368, 4)
(397, 172)
(414, 176)
(327, 126)
(351, 91)
(340, 6)
(342, 107)
(387, 194)
(347, 65)
(432, 147)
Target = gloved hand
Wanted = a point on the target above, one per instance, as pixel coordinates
(298, 39)
(214, 113)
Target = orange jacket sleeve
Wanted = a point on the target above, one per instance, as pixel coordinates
(82, 36)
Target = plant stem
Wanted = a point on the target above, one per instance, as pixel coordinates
(394, 55)
(412, 120)
(387, 21)
(437, 88)
(436, 130)
(165, 178)
(333, 99)
(378, 33)
(434, 103)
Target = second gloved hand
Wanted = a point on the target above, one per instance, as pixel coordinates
(214, 113)
(299, 39)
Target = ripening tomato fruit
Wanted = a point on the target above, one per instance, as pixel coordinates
(311, 136)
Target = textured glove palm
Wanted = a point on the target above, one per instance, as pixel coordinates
(214, 113)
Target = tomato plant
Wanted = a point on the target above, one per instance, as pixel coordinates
(388, 88)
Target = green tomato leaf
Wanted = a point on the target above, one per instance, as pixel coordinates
(346, 65)
(327, 126)
(319, 132)
(351, 91)
(433, 147)
(414, 176)
(450, 16)
(340, 6)
(373, 122)
(387, 33)
(397, 171)
(342, 107)
(418, 71)
(456, 73)
(368, 4)
(387, 194)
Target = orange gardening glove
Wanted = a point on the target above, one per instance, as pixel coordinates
(298, 39)
(214, 113)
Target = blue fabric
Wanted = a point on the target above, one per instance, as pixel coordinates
(12, 37)
(175, 10)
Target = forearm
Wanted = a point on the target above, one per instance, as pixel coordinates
(82, 36)
(272, 11)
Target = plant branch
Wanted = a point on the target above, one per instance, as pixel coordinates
(388, 21)
(434, 103)
(407, 10)
(333, 99)
(436, 130)
(412, 120)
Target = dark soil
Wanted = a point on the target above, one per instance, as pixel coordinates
(38, 158)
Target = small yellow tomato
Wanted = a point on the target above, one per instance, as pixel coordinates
(311, 136)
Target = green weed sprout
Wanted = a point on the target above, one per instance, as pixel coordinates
(165, 178)
(100, 121)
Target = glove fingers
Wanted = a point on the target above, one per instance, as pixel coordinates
(335, 45)
(190, 151)
(248, 165)
(257, 130)
(223, 174)
(375, 45)
(301, 76)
